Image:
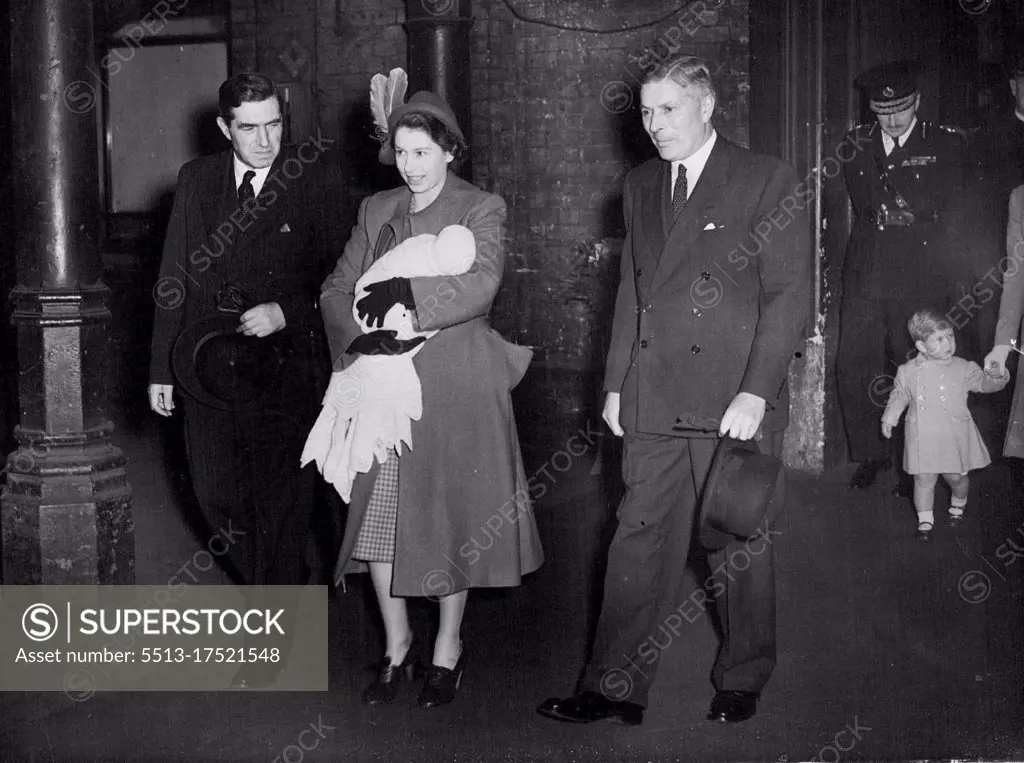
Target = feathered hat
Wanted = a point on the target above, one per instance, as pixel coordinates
(386, 93)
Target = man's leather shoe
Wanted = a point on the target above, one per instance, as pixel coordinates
(255, 675)
(732, 706)
(866, 473)
(589, 706)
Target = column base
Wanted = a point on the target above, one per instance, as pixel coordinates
(65, 512)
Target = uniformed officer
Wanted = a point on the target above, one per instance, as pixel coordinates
(902, 183)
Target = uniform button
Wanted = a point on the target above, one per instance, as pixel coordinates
(705, 276)
(639, 272)
(695, 349)
(643, 344)
(697, 313)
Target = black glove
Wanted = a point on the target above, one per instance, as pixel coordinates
(381, 297)
(383, 343)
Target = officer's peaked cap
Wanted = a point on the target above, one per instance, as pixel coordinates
(890, 87)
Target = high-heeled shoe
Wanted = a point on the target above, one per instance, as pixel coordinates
(384, 689)
(441, 684)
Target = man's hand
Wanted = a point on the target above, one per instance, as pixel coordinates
(161, 398)
(886, 429)
(262, 320)
(995, 361)
(383, 343)
(743, 417)
(610, 414)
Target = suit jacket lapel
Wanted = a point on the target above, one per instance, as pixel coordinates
(698, 207)
(649, 236)
(217, 187)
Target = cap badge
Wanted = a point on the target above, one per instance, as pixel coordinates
(888, 92)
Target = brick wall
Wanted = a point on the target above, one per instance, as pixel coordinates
(555, 124)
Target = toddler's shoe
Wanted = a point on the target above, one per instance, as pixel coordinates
(955, 520)
(924, 531)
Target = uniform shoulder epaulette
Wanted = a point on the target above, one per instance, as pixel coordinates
(960, 132)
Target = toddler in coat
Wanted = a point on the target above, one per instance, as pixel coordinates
(941, 436)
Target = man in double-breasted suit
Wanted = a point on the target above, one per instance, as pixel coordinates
(249, 241)
(713, 299)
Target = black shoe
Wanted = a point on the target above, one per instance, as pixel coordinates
(441, 684)
(385, 688)
(955, 520)
(256, 675)
(730, 706)
(589, 706)
(867, 472)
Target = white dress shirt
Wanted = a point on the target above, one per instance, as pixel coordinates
(694, 164)
(889, 143)
(241, 169)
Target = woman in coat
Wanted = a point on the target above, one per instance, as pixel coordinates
(453, 512)
(1011, 306)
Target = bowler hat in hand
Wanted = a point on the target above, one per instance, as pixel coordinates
(743, 493)
(222, 368)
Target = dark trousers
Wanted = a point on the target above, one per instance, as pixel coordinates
(246, 476)
(873, 344)
(645, 609)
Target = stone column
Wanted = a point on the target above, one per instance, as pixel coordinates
(439, 47)
(66, 509)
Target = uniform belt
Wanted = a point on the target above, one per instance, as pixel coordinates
(887, 217)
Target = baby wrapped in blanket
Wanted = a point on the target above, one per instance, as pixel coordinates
(369, 407)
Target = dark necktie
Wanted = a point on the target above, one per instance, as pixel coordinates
(679, 192)
(245, 190)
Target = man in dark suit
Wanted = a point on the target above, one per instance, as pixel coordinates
(713, 300)
(996, 164)
(904, 186)
(249, 240)
(998, 149)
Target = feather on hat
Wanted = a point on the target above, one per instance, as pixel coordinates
(385, 94)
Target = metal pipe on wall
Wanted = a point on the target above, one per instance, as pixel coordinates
(439, 47)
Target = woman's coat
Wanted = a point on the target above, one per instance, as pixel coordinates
(464, 519)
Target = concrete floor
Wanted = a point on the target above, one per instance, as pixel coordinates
(877, 633)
